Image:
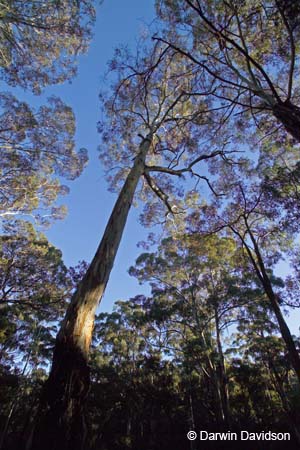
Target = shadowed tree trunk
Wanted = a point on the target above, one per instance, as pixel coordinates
(212, 371)
(222, 371)
(284, 329)
(289, 115)
(262, 275)
(277, 382)
(60, 423)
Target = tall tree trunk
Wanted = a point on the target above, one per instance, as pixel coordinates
(289, 115)
(222, 372)
(262, 274)
(60, 424)
(213, 375)
(285, 331)
(192, 419)
(212, 371)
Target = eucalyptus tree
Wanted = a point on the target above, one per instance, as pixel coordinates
(199, 284)
(40, 41)
(262, 227)
(32, 273)
(136, 396)
(147, 119)
(258, 340)
(34, 288)
(40, 44)
(37, 147)
(248, 53)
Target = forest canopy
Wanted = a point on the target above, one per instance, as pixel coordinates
(199, 127)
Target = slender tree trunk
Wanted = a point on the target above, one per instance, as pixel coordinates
(222, 373)
(262, 274)
(192, 419)
(60, 424)
(285, 332)
(211, 368)
(289, 115)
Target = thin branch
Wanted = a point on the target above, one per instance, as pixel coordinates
(199, 63)
(219, 33)
(158, 191)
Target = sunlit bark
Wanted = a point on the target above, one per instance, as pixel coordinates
(60, 423)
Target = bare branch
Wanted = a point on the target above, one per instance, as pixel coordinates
(158, 191)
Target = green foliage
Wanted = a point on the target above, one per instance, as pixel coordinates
(248, 52)
(40, 41)
(37, 147)
(35, 285)
(202, 351)
(157, 361)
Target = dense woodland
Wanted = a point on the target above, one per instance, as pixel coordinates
(200, 128)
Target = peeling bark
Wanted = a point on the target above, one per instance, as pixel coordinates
(60, 423)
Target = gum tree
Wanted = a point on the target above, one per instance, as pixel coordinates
(247, 50)
(37, 147)
(198, 284)
(40, 44)
(262, 226)
(40, 41)
(148, 120)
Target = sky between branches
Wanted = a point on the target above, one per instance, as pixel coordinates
(89, 203)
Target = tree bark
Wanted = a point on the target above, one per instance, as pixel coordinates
(212, 371)
(192, 419)
(260, 269)
(289, 115)
(285, 332)
(60, 424)
(222, 372)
